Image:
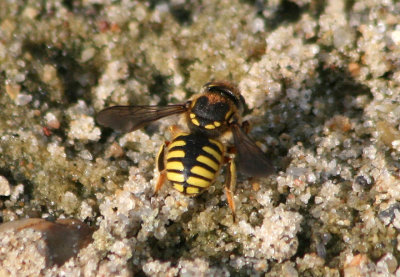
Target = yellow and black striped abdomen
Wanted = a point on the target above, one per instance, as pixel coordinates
(193, 162)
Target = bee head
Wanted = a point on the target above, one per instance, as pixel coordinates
(212, 111)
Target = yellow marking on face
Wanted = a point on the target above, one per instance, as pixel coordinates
(209, 126)
(207, 161)
(202, 172)
(197, 182)
(192, 115)
(228, 114)
(192, 190)
(176, 154)
(217, 123)
(175, 166)
(217, 143)
(212, 152)
(195, 122)
(178, 187)
(177, 143)
(175, 177)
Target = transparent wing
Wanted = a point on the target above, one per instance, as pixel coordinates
(250, 159)
(130, 118)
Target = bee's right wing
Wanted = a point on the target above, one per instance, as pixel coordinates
(130, 118)
(250, 159)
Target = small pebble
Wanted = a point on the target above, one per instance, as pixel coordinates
(5, 189)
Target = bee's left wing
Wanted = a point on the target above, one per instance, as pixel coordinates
(250, 159)
(130, 118)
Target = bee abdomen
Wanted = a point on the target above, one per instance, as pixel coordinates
(193, 162)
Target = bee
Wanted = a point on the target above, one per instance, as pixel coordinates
(192, 160)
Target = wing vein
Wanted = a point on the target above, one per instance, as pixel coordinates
(130, 118)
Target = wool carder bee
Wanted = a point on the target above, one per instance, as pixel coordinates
(193, 159)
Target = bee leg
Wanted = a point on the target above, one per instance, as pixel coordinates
(160, 161)
(160, 181)
(230, 184)
(230, 150)
(174, 130)
(246, 126)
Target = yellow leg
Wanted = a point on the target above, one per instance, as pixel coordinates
(230, 187)
(160, 181)
(174, 130)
